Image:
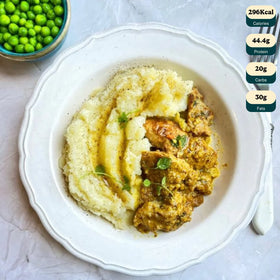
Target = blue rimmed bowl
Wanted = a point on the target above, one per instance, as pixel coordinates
(47, 50)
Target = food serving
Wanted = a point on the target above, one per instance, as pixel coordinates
(138, 152)
(29, 26)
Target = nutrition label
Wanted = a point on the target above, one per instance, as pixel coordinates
(261, 47)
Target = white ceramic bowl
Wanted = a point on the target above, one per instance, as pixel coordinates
(244, 137)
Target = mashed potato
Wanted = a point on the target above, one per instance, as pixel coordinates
(105, 140)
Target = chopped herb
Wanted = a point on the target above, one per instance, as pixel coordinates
(195, 102)
(179, 141)
(123, 119)
(159, 187)
(100, 169)
(146, 183)
(162, 185)
(163, 181)
(182, 141)
(126, 185)
(164, 163)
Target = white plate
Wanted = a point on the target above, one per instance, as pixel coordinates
(69, 81)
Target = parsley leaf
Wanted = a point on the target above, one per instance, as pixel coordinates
(182, 141)
(164, 163)
(146, 183)
(159, 187)
(126, 185)
(123, 119)
(163, 181)
(100, 170)
(179, 141)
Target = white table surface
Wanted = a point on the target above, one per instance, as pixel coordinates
(27, 251)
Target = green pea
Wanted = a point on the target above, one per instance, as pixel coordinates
(44, 1)
(13, 41)
(50, 23)
(47, 40)
(29, 24)
(22, 31)
(16, 2)
(17, 12)
(1, 38)
(37, 9)
(14, 18)
(58, 10)
(4, 20)
(45, 31)
(6, 36)
(33, 41)
(19, 48)
(8, 47)
(46, 7)
(10, 7)
(23, 15)
(37, 28)
(2, 4)
(2, 11)
(54, 31)
(22, 22)
(13, 28)
(40, 38)
(31, 32)
(58, 21)
(28, 48)
(57, 2)
(40, 20)
(36, 2)
(23, 40)
(3, 29)
(30, 15)
(24, 6)
(50, 14)
(38, 46)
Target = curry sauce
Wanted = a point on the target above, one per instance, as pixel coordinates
(179, 169)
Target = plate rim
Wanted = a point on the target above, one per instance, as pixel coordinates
(25, 123)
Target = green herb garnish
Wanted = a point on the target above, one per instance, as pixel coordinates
(180, 141)
(146, 183)
(163, 186)
(126, 185)
(164, 163)
(100, 171)
(159, 186)
(123, 119)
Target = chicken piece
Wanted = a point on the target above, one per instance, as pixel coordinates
(166, 216)
(199, 116)
(163, 134)
(199, 154)
(176, 173)
(205, 183)
(155, 215)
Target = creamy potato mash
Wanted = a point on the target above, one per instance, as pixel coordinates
(106, 139)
